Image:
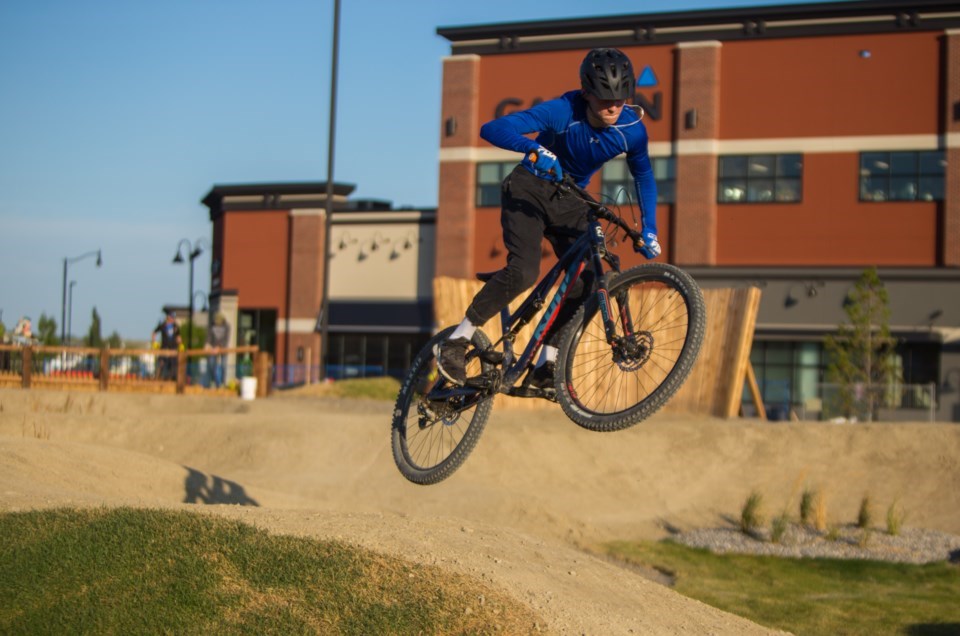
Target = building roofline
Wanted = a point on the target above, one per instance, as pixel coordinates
(273, 196)
(218, 192)
(867, 16)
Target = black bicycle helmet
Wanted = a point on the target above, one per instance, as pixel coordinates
(607, 74)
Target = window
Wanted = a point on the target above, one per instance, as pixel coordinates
(372, 354)
(760, 178)
(489, 176)
(902, 176)
(618, 186)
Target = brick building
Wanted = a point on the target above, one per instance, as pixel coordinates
(267, 277)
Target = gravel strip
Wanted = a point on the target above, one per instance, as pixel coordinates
(912, 545)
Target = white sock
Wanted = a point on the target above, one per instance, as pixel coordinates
(547, 354)
(464, 330)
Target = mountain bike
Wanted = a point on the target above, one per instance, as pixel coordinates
(626, 351)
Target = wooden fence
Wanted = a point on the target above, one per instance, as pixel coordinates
(715, 385)
(126, 370)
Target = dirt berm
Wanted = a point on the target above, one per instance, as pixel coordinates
(534, 492)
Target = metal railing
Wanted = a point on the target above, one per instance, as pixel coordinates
(872, 403)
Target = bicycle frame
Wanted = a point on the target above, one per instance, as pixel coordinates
(589, 247)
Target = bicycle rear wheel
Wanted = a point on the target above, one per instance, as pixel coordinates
(431, 438)
(660, 317)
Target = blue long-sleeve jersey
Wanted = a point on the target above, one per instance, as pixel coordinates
(581, 149)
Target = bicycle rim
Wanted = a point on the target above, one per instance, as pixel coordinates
(432, 438)
(660, 320)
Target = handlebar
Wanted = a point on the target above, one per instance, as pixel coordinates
(568, 184)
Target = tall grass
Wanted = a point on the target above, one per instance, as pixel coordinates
(820, 512)
(865, 514)
(896, 516)
(751, 514)
(807, 498)
(779, 526)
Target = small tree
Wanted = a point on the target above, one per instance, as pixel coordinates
(94, 339)
(862, 357)
(47, 331)
(198, 335)
(115, 341)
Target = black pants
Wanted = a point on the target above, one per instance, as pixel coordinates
(531, 210)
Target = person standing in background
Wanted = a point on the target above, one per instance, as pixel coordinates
(218, 338)
(169, 332)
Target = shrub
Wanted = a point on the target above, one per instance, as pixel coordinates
(865, 516)
(807, 498)
(779, 526)
(751, 516)
(895, 518)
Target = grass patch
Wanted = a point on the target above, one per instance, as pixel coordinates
(384, 388)
(811, 596)
(129, 571)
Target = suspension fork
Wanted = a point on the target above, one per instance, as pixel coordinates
(608, 314)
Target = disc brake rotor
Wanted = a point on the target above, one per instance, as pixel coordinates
(633, 351)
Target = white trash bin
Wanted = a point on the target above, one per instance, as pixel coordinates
(248, 388)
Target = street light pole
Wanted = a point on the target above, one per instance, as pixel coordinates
(328, 217)
(63, 304)
(194, 250)
(70, 314)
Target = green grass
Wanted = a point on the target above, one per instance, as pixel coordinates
(129, 571)
(811, 596)
(384, 388)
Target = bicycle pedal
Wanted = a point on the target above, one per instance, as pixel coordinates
(478, 382)
(490, 355)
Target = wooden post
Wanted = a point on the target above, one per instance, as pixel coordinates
(104, 368)
(26, 359)
(261, 371)
(743, 325)
(750, 379)
(181, 371)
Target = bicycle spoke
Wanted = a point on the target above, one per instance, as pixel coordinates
(609, 380)
(434, 427)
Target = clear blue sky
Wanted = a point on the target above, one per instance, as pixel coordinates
(117, 117)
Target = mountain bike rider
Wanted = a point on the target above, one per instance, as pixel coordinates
(577, 133)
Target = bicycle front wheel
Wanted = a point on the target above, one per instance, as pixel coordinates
(660, 319)
(436, 426)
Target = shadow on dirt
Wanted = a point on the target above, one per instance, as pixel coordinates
(210, 489)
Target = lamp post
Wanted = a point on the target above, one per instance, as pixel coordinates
(194, 250)
(203, 296)
(63, 305)
(328, 203)
(204, 306)
(70, 313)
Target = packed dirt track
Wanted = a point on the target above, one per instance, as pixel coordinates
(536, 492)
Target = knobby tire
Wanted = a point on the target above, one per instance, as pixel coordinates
(429, 448)
(605, 390)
